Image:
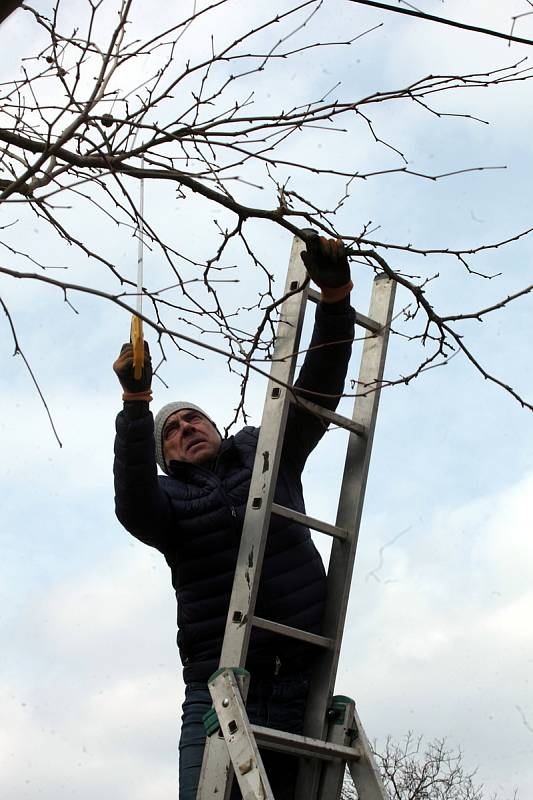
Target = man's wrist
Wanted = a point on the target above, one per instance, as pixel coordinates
(143, 397)
(338, 309)
(135, 409)
(334, 294)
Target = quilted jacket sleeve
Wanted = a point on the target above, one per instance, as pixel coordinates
(324, 370)
(140, 504)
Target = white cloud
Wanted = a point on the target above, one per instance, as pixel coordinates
(441, 643)
(444, 638)
(91, 701)
(439, 636)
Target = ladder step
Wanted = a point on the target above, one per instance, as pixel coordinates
(292, 633)
(360, 319)
(310, 522)
(368, 324)
(303, 745)
(337, 419)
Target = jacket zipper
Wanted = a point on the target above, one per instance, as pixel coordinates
(212, 476)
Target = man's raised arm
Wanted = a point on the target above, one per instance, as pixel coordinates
(140, 504)
(323, 373)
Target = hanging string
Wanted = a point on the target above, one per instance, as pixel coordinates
(140, 250)
(137, 338)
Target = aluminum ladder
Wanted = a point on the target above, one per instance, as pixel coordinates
(333, 734)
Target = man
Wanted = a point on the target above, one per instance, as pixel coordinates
(194, 515)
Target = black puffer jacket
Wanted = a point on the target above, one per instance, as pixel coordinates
(195, 517)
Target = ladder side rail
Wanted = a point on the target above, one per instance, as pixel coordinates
(216, 760)
(340, 730)
(349, 517)
(265, 470)
(356, 467)
(364, 772)
(239, 739)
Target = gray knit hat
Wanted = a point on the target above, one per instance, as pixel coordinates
(159, 423)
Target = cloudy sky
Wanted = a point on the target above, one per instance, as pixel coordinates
(439, 638)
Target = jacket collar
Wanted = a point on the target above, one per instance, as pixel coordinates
(227, 453)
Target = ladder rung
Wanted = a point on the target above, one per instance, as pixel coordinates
(367, 323)
(292, 633)
(303, 745)
(331, 416)
(310, 522)
(360, 319)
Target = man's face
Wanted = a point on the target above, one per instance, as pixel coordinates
(189, 436)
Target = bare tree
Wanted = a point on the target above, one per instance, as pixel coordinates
(416, 771)
(184, 107)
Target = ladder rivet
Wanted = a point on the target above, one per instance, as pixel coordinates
(225, 702)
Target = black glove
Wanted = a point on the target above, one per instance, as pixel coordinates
(327, 265)
(134, 389)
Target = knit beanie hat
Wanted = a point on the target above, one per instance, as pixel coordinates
(159, 423)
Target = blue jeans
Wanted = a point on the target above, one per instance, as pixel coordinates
(276, 702)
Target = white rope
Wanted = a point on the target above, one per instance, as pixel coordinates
(140, 249)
